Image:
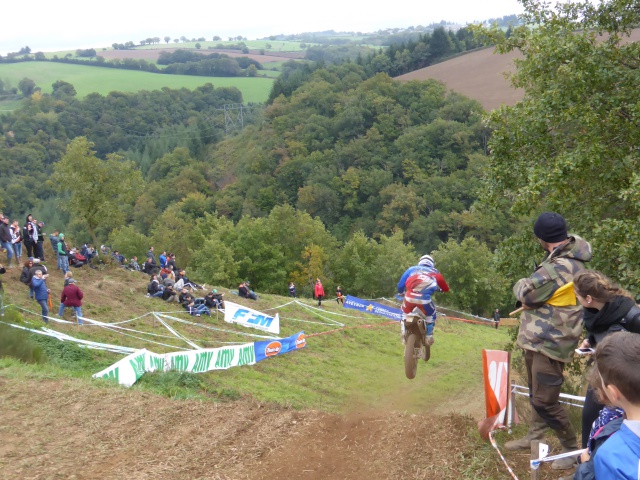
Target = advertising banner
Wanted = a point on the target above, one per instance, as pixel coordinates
(271, 348)
(205, 360)
(126, 371)
(234, 313)
(373, 308)
(495, 370)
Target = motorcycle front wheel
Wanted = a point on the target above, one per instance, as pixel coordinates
(410, 359)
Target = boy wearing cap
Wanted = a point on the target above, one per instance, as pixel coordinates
(549, 334)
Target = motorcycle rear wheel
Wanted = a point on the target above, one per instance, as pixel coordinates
(410, 360)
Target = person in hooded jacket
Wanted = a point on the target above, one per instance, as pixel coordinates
(63, 253)
(71, 296)
(608, 308)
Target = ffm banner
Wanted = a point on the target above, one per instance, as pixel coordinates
(373, 308)
(234, 313)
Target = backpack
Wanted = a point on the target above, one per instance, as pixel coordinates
(631, 321)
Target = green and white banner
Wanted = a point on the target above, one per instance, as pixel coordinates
(128, 370)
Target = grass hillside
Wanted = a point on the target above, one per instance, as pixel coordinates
(350, 366)
(341, 407)
(89, 79)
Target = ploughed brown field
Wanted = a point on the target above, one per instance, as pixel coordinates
(480, 75)
(153, 55)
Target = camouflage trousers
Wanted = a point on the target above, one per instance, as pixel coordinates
(545, 377)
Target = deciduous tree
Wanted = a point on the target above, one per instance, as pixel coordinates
(97, 189)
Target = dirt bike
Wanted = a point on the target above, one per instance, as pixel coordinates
(414, 327)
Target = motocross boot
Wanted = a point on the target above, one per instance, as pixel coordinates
(536, 432)
(569, 443)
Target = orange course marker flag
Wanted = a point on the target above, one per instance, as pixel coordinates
(565, 296)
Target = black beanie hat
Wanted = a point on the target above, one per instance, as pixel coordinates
(550, 227)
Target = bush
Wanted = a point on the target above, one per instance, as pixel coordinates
(18, 343)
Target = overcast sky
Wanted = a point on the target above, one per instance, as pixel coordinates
(68, 24)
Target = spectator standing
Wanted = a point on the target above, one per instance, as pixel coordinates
(41, 292)
(292, 290)
(151, 255)
(339, 295)
(30, 235)
(496, 318)
(39, 246)
(63, 254)
(53, 238)
(16, 242)
(71, 297)
(319, 291)
(163, 259)
(549, 334)
(5, 239)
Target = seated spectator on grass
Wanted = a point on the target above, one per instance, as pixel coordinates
(245, 292)
(75, 259)
(186, 282)
(133, 264)
(149, 267)
(71, 297)
(169, 294)
(185, 298)
(118, 257)
(213, 299)
(169, 280)
(104, 250)
(196, 310)
(167, 272)
(155, 289)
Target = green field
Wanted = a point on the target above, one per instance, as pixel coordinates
(104, 80)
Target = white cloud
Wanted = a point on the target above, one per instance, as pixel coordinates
(74, 24)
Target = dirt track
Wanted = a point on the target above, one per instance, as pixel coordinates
(67, 429)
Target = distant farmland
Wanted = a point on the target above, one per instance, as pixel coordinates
(88, 79)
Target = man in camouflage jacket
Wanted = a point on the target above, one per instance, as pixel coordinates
(549, 334)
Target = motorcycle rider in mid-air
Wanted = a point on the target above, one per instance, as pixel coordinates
(418, 284)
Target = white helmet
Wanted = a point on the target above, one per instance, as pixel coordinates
(427, 261)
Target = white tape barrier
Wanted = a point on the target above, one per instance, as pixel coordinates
(178, 335)
(468, 314)
(520, 390)
(208, 327)
(82, 343)
(544, 449)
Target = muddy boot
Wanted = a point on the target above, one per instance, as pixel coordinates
(569, 443)
(536, 432)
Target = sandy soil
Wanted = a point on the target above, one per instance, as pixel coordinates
(481, 75)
